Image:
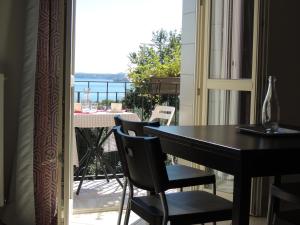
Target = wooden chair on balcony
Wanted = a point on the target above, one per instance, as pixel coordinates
(179, 175)
(146, 170)
(284, 192)
(162, 112)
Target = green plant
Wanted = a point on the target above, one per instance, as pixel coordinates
(160, 58)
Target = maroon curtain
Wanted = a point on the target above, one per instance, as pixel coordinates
(48, 109)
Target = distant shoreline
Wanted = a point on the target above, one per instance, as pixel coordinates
(105, 76)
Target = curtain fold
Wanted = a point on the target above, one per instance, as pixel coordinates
(259, 196)
(48, 109)
(33, 191)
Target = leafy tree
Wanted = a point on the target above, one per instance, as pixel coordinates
(160, 58)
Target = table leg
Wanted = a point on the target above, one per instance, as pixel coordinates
(241, 200)
(111, 170)
(89, 155)
(95, 150)
(84, 171)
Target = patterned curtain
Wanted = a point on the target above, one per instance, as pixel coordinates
(48, 109)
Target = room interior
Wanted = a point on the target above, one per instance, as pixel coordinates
(278, 51)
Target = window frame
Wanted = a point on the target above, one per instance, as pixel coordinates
(203, 82)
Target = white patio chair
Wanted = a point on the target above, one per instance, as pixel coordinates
(166, 113)
(163, 112)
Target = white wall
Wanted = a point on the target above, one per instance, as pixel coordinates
(11, 60)
(188, 63)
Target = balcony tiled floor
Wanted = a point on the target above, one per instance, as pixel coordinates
(110, 218)
(98, 203)
(98, 195)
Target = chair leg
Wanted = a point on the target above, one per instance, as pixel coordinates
(128, 209)
(126, 221)
(214, 192)
(122, 201)
(165, 208)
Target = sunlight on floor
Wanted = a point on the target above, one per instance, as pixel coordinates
(98, 195)
(110, 218)
(103, 218)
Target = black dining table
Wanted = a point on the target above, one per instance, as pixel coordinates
(224, 148)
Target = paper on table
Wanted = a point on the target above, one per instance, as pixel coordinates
(116, 107)
(77, 107)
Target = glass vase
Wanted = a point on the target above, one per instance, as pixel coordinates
(270, 109)
(86, 101)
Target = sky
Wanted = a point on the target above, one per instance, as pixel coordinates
(106, 31)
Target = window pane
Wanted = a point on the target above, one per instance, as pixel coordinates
(227, 107)
(231, 39)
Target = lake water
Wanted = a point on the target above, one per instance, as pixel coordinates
(100, 89)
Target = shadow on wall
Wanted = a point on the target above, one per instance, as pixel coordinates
(283, 57)
(12, 17)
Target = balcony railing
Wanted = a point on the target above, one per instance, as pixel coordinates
(142, 103)
(105, 92)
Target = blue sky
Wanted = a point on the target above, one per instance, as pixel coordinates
(107, 30)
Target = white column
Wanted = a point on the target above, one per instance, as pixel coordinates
(188, 62)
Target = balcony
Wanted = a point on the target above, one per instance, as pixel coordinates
(164, 91)
(101, 199)
(96, 193)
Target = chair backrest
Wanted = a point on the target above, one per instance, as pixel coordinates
(118, 120)
(144, 161)
(163, 112)
(133, 128)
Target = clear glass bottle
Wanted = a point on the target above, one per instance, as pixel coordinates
(270, 109)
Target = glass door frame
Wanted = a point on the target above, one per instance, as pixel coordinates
(66, 207)
(204, 84)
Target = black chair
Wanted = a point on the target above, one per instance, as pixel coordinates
(146, 170)
(286, 192)
(179, 175)
(139, 131)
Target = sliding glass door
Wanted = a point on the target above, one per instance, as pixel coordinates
(227, 78)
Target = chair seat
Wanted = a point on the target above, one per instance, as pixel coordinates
(287, 191)
(184, 208)
(184, 176)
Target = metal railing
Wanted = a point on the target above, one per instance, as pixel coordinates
(142, 103)
(96, 85)
(105, 92)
